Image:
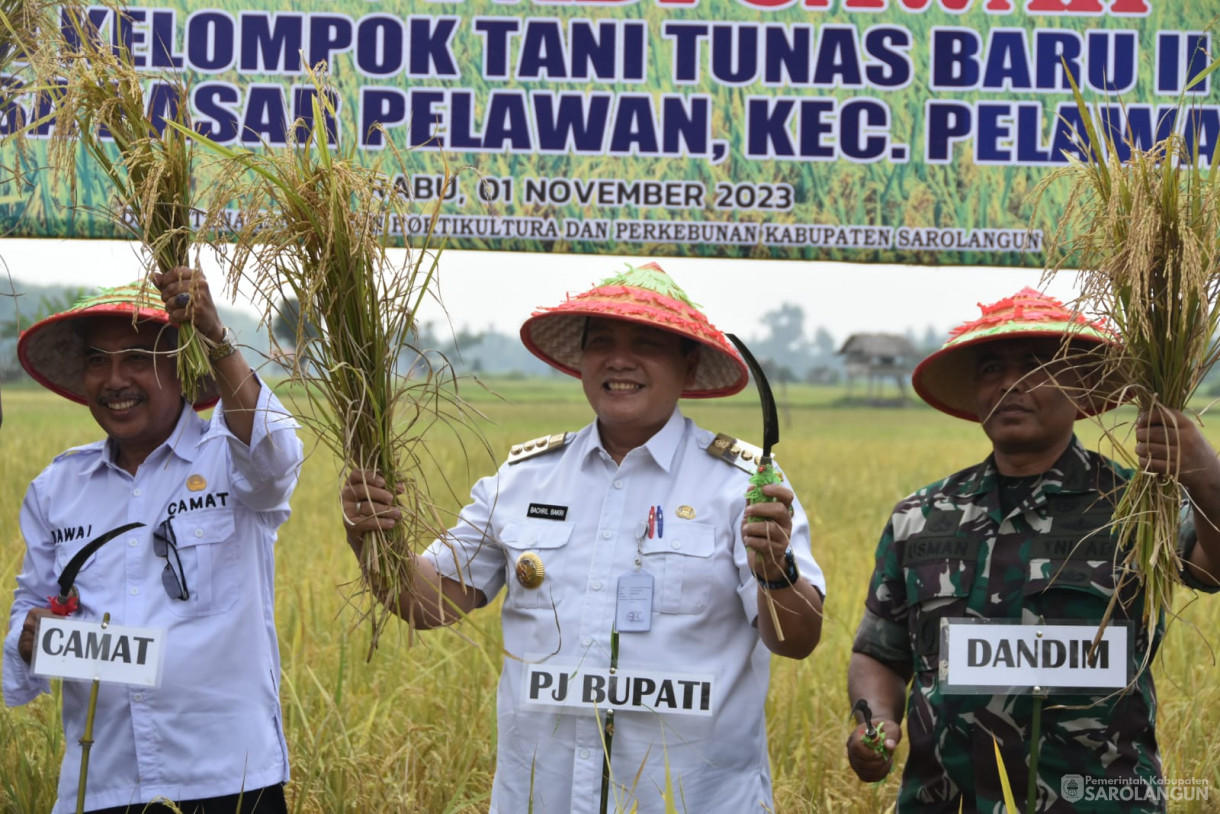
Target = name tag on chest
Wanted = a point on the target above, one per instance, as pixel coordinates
(981, 657)
(84, 651)
(633, 605)
(583, 690)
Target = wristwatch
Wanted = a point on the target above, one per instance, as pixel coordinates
(227, 346)
(791, 574)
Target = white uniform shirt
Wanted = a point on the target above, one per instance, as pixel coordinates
(214, 725)
(586, 518)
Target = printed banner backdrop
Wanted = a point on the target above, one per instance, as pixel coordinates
(909, 131)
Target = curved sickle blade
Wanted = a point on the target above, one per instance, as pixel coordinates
(770, 413)
(68, 577)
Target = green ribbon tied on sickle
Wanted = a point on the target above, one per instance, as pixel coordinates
(765, 474)
(874, 736)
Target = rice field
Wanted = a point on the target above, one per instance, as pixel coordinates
(412, 730)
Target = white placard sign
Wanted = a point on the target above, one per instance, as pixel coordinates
(979, 656)
(637, 690)
(73, 649)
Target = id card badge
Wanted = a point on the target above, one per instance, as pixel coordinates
(633, 609)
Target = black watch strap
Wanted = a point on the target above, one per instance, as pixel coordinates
(791, 575)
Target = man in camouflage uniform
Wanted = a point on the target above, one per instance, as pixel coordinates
(1019, 537)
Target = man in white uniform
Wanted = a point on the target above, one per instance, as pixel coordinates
(633, 529)
(210, 495)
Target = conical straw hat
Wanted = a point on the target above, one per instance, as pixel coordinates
(643, 294)
(945, 379)
(52, 350)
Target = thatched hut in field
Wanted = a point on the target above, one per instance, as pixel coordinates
(878, 358)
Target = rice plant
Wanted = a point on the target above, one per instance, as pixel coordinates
(24, 29)
(316, 226)
(1146, 226)
(18, 20)
(102, 109)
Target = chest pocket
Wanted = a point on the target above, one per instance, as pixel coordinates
(547, 539)
(939, 572)
(210, 562)
(683, 564)
(1072, 575)
(92, 580)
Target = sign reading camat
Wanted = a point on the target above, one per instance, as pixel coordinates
(73, 649)
(633, 690)
(977, 656)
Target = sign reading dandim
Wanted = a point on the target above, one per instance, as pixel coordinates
(978, 656)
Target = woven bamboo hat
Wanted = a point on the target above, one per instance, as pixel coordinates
(643, 294)
(945, 379)
(52, 350)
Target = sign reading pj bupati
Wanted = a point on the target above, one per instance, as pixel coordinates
(863, 130)
(574, 689)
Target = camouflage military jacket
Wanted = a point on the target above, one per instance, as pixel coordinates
(948, 551)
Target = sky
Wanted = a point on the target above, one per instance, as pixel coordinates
(493, 289)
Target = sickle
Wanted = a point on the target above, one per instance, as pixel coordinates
(770, 412)
(866, 717)
(67, 601)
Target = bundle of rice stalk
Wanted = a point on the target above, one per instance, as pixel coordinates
(27, 27)
(1143, 227)
(15, 19)
(313, 223)
(101, 106)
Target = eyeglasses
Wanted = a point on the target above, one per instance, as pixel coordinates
(174, 579)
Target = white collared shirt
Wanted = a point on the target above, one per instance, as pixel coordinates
(587, 519)
(214, 725)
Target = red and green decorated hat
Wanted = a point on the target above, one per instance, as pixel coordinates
(52, 350)
(643, 294)
(946, 378)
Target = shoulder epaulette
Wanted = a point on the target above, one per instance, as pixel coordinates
(735, 451)
(538, 446)
(74, 451)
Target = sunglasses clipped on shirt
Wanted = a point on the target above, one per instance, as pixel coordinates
(165, 543)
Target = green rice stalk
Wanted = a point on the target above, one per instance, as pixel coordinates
(1145, 233)
(101, 108)
(313, 223)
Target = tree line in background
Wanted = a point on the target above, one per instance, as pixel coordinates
(790, 348)
(874, 367)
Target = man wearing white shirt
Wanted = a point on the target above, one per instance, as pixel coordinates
(211, 495)
(633, 529)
